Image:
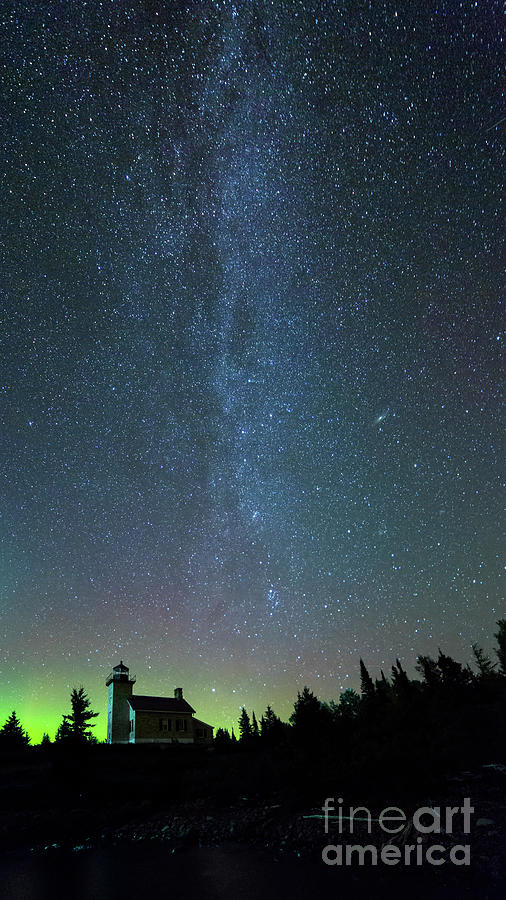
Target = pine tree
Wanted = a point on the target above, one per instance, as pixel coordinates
(454, 675)
(46, 740)
(222, 739)
(269, 720)
(310, 719)
(63, 732)
(382, 688)
(255, 733)
(366, 682)
(76, 725)
(500, 637)
(306, 706)
(400, 681)
(244, 726)
(272, 730)
(12, 734)
(349, 704)
(485, 666)
(428, 669)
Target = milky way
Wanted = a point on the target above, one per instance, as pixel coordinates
(251, 345)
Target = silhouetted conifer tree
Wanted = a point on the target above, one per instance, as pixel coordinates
(400, 681)
(428, 669)
(12, 735)
(366, 682)
(269, 719)
(76, 725)
(255, 733)
(310, 719)
(63, 732)
(244, 726)
(500, 637)
(484, 664)
(272, 729)
(382, 688)
(349, 704)
(453, 674)
(222, 739)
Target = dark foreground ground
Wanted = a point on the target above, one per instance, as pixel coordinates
(124, 822)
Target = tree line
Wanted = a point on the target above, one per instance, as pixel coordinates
(75, 726)
(449, 705)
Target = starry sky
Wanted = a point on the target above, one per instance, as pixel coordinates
(250, 330)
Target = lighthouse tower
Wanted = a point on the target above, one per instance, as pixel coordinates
(120, 684)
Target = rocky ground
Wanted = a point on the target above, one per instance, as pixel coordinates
(260, 826)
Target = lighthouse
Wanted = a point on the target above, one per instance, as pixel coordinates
(120, 684)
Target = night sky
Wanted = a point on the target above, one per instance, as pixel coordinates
(250, 346)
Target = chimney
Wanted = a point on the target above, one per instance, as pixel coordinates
(178, 693)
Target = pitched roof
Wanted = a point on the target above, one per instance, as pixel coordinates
(159, 704)
(198, 722)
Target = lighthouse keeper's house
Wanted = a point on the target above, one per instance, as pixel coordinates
(136, 719)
